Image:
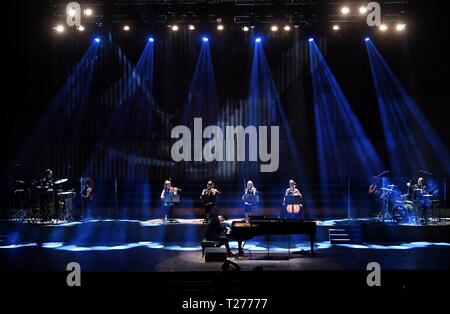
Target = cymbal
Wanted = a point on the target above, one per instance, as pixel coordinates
(60, 181)
(392, 185)
(19, 182)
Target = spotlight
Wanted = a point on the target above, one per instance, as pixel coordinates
(220, 27)
(336, 27)
(191, 27)
(97, 39)
(175, 28)
(71, 12)
(274, 28)
(88, 12)
(81, 28)
(59, 28)
(400, 27)
(345, 10)
(311, 39)
(258, 40)
(151, 39)
(362, 10)
(287, 28)
(245, 28)
(383, 27)
(205, 39)
(126, 28)
(367, 39)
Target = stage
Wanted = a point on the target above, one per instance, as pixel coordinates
(110, 245)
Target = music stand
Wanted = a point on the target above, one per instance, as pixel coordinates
(293, 200)
(252, 199)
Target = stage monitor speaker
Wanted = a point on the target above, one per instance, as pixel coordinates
(215, 254)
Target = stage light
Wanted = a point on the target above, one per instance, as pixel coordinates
(258, 40)
(205, 39)
(274, 28)
(362, 10)
(336, 27)
(88, 12)
(151, 39)
(126, 28)
(345, 10)
(97, 39)
(367, 39)
(383, 27)
(71, 12)
(59, 28)
(287, 28)
(400, 27)
(191, 27)
(81, 28)
(245, 28)
(220, 27)
(174, 28)
(311, 40)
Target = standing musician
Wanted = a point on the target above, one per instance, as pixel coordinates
(167, 195)
(47, 195)
(291, 208)
(208, 198)
(422, 204)
(87, 196)
(249, 205)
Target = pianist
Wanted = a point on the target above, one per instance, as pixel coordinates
(217, 231)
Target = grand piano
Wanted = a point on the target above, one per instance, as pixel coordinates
(259, 225)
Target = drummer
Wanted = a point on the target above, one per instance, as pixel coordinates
(47, 181)
(421, 185)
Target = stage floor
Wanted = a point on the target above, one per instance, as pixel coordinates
(134, 245)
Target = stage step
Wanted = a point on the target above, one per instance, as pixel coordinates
(339, 235)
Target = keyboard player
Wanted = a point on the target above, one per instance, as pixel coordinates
(218, 232)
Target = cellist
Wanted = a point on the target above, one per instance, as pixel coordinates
(291, 208)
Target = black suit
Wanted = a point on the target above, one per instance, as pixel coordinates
(216, 231)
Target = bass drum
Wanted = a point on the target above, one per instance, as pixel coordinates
(402, 212)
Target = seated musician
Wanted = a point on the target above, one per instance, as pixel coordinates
(166, 197)
(47, 181)
(421, 185)
(217, 232)
(375, 193)
(248, 206)
(291, 191)
(208, 198)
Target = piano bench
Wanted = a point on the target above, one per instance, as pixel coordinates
(205, 244)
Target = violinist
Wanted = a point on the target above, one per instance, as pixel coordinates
(167, 196)
(209, 199)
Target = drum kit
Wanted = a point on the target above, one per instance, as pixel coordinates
(411, 207)
(40, 202)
